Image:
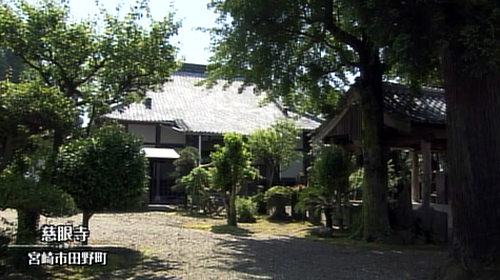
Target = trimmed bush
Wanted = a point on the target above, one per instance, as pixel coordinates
(245, 208)
(278, 197)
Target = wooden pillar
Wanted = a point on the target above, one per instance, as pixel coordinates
(441, 188)
(427, 178)
(156, 177)
(415, 177)
(199, 149)
(158, 136)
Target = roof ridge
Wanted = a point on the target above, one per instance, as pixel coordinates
(425, 90)
(193, 68)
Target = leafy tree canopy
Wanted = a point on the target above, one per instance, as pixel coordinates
(187, 161)
(28, 109)
(299, 51)
(330, 170)
(98, 65)
(275, 146)
(231, 167)
(415, 33)
(20, 193)
(232, 163)
(88, 170)
(10, 66)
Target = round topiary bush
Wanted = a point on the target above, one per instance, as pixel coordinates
(245, 209)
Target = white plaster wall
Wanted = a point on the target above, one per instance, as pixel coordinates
(293, 170)
(147, 132)
(170, 136)
(296, 167)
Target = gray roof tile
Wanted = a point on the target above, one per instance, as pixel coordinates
(427, 107)
(202, 110)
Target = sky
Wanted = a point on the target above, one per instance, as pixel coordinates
(193, 13)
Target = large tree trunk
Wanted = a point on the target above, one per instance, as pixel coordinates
(473, 120)
(27, 226)
(270, 180)
(375, 212)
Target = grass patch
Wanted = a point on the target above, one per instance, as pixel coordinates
(197, 226)
(262, 226)
(193, 214)
(295, 229)
(344, 241)
(174, 213)
(225, 229)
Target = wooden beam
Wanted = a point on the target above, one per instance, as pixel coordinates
(437, 145)
(438, 132)
(415, 178)
(158, 136)
(199, 149)
(321, 132)
(427, 178)
(156, 176)
(399, 124)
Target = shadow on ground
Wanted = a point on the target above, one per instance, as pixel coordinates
(294, 258)
(225, 229)
(122, 263)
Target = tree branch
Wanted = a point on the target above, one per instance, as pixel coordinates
(45, 76)
(93, 72)
(334, 29)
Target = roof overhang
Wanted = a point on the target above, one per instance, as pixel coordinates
(324, 129)
(160, 153)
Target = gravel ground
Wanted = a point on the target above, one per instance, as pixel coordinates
(175, 252)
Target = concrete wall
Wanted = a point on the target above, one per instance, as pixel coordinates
(293, 170)
(170, 136)
(147, 132)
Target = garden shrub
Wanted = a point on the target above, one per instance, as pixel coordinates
(277, 191)
(245, 208)
(278, 197)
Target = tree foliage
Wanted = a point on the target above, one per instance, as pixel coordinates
(299, 52)
(329, 182)
(463, 38)
(10, 66)
(197, 184)
(21, 189)
(187, 161)
(231, 167)
(88, 170)
(93, 65)
(28, 109)
(18, 192)
(246, 210)
(275, 146)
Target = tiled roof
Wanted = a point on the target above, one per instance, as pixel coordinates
(200, 110)
(427, 107)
